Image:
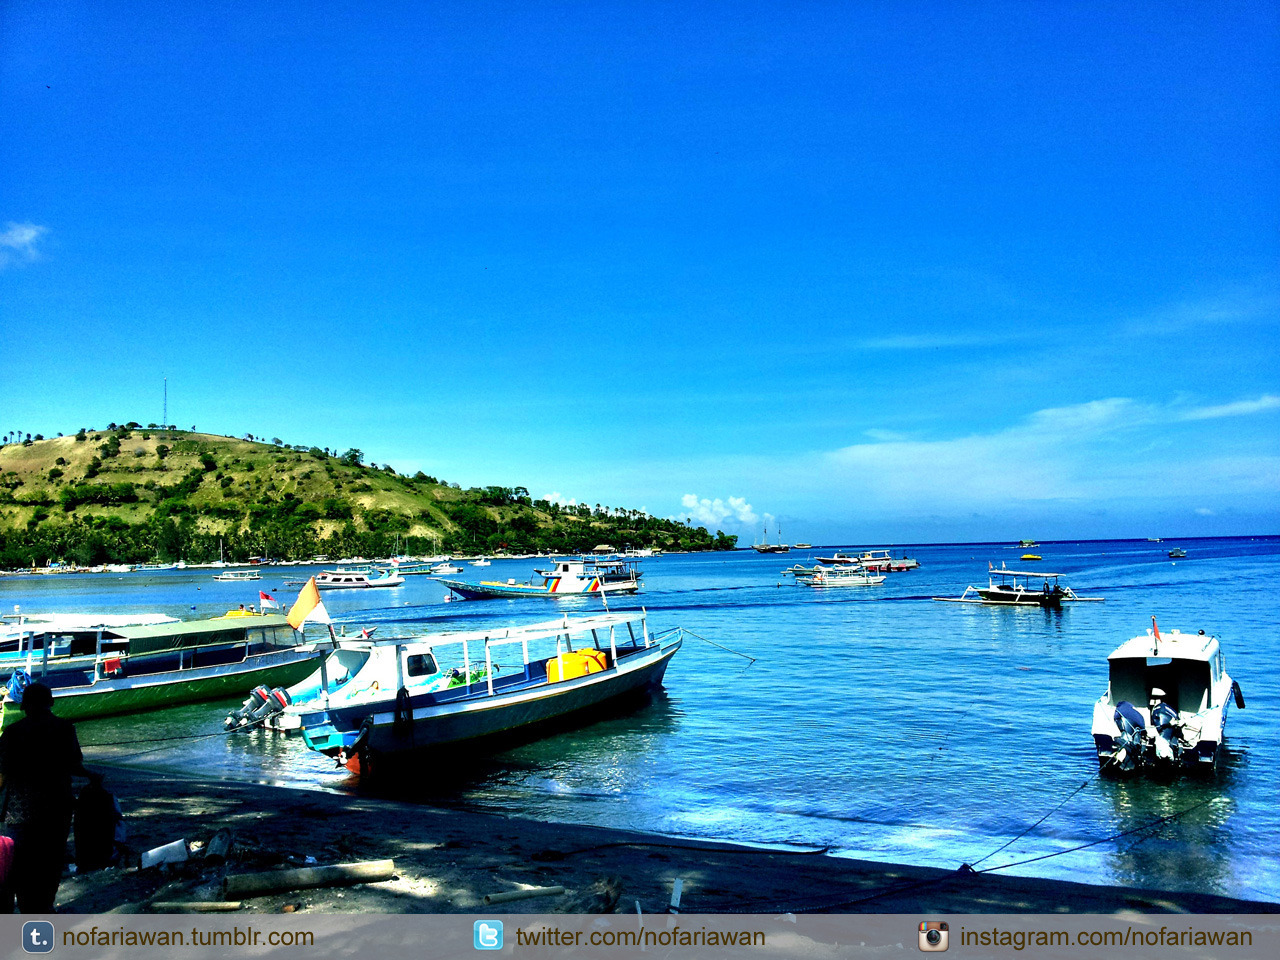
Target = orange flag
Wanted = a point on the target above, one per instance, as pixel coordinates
(1155, 629)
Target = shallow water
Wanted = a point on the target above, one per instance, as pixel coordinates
(873, 720)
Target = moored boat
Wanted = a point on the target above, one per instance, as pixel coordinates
(100, 671)
(766, 547)
(844, 576)
(445, 692)
(238, 575)
(1165, 707)
(1177, 553)
(357, 579)
(1014, 588)
(567, 578)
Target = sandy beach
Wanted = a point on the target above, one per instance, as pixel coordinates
(448, 862)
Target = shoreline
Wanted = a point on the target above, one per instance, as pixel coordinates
(448, 861)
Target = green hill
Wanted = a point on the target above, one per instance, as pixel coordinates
(132, 494)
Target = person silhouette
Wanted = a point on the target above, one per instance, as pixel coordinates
(38, 757)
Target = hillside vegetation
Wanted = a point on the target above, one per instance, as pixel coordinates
(133, 494)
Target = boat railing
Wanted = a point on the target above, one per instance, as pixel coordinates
(563, 631)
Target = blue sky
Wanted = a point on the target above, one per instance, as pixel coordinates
(878, 271)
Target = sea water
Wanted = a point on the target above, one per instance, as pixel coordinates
(873, 721)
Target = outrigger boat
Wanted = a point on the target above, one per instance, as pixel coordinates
(1013, 588)
(1166, 704)
(444, 693)
(100, 670)
(566, 579)
(821, 576)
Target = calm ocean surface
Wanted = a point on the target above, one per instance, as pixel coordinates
(873, 720)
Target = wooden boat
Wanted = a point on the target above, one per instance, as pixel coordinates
(101, 670)
(1166, 704)
(838, 558)
(873, 560)
(1013, 588)
(568, 578)
(357, 579)
(846, 576)
(766, 547)
(443, 694)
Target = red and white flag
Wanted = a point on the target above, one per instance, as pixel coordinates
(1155, 629)
(266, 600)
(308, 607)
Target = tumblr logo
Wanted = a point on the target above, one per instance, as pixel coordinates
(488, 935)
(37, 936)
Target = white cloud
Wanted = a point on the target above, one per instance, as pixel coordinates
(561, 499)
(18, 243)
(715, 512)
(1240, 408)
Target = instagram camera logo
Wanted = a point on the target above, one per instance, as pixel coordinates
(488, 935)
(37, 936)
(933, 935)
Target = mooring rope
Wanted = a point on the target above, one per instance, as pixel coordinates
(714, 644)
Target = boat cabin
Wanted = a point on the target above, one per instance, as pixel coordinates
(1186, 667)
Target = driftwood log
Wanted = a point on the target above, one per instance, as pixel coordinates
(525, 894)
(280, 881)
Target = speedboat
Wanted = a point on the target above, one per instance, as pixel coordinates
(567, 578)
(1166, 704)
(1014, 588)
(1176, 553)
(438, 696)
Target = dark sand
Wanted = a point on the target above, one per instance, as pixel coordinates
(446, 862)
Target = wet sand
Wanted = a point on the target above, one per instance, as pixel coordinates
(447, 862)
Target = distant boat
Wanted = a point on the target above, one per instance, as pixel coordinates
(238, 575)
(766, 547)
(1027, 543)
(845, 576)
(1177, 552)
(357, 579)
(567, 578)
(1031, 556)
(1013, 588)
(481, 562)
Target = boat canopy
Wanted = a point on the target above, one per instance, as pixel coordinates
(272, 629)
(1184, 666)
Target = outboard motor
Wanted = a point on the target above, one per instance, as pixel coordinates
(257, 698)
(276, 701)
(1128, 746)
(1165, 720)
